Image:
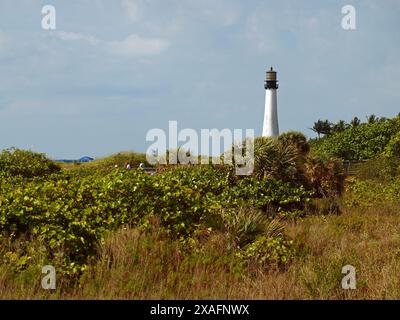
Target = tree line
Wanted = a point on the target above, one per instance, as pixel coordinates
(325, 127)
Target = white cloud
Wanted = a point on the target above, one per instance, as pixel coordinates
(168, 24)
(132, 46)
(135, 46)
(72, 36)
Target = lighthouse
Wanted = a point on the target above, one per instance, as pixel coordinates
(271, 127)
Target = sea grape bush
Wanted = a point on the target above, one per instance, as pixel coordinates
(369, 193)
(274, 197)
(364, 141)
(266, 251)
(27, 164)
(392, 149)
(72, 214)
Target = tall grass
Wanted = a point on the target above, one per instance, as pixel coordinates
(137, 265)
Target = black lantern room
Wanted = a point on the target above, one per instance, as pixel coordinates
(271, 81)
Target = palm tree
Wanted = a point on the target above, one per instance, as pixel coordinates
(327, 127)
(319, 127)
(273, 159)
(340, 126)
(296, 139)
(355, 122)
(372, 119)
(325, 176)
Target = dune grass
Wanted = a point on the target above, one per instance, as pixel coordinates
(135, 265)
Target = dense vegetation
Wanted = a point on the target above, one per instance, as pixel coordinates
(69, 212)
(200, 231)
(359, 141)
(21, 163)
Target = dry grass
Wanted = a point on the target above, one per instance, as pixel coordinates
(132, 265)
(368, 240)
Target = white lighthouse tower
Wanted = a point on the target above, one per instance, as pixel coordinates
(271, 127)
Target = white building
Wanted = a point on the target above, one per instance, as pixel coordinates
(271, 127)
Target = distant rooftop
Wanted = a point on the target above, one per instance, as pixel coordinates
(80, 160)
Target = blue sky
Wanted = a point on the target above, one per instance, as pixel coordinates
(113, 70)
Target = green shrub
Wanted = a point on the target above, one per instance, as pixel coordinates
(28, 164)
(244, 225)
(392, 149)
(370, 193)
(381, 168)
(269, 251)
(271, 196)
(364, 141)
